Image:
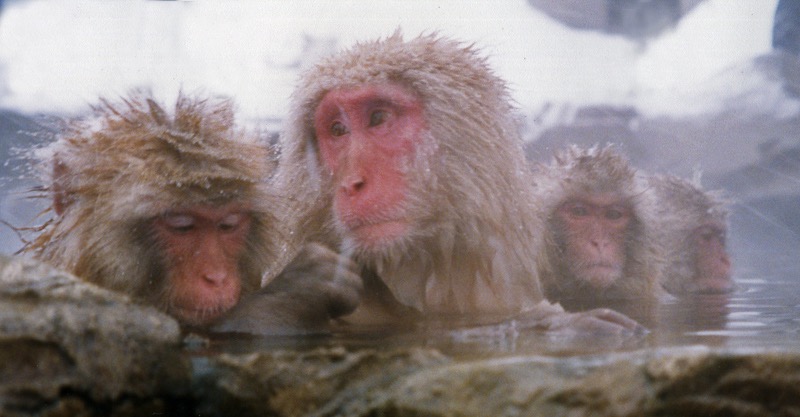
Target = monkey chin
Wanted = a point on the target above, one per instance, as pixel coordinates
(713, 285)
(201, 316)
(600, 276)
(376, 237)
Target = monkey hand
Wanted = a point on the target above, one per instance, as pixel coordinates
(318, 285)
(320, 276)
(553, 318)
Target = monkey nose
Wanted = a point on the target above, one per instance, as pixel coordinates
(601, 245)
(214, 277)
(353, 185)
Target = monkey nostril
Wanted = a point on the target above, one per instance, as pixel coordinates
(353, 186)
(216, 278)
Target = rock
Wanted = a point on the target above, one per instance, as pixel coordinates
(691, 381)
(682, 382)
(70, 348)
(323, 381)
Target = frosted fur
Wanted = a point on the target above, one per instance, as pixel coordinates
(475, 234)
(132, 161)
(577, 171)
(683, 207)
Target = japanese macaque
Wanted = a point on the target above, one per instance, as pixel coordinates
(407, 154)
(601, 250)
(176, 212)
(693, 227)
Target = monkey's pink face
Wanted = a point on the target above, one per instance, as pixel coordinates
(595, 227)
(368, 137)
(202, 248)
(711, 258)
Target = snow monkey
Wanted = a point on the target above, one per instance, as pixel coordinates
(176, 212)
(693, 228)
(409, 157)
(600, 248)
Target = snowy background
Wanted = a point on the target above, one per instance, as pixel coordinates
(706, 94)
(57, 56)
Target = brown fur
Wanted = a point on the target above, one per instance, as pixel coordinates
(476, 236)
(110, 175)
(580, 172)
(684, 206)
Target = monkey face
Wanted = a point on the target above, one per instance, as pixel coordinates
(712, 263)
(593, 230)
(368, 137)
(203, 246)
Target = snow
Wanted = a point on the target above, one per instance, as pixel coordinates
(58, 56)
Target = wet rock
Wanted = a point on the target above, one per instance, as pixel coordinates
(694, 381)
(69, 348)
(679, 383)
(324, 381)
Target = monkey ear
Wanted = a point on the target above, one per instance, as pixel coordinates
(61, 197)
(159, 115)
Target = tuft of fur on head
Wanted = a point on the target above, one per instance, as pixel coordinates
(683, 206)
(577, 171)
(468, 193)
(108, 175)
(687, 200)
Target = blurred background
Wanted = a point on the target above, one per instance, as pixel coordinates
(683, 86)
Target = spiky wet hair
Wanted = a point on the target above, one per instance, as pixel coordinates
(577, 171)
(581, 171)
(688, 201)
(106, 175)
(468, 195)
(683, 206)
(467, 109)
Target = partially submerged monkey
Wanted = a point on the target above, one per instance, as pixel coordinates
(601, 246)
(175, 210)
(407, 154)
(693, 226)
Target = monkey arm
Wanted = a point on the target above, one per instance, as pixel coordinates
(317, 286)
(553, 318)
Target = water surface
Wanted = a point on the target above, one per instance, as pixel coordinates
(763, 313)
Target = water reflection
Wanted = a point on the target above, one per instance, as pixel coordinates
(763, 312)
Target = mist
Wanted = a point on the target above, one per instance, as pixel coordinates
(707, 95)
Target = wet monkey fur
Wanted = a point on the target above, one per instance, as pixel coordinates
(406, 154)
(694, 227)
(176, 211)
(601, 246)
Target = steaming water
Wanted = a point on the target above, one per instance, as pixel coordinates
(763, 313)
(52, 64)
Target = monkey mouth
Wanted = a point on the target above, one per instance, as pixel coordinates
(602, 274)
(377, 233)
(198, 316)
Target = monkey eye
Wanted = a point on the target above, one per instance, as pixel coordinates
(378, 117)
(578, 210)
(338, 129)
(614, 214)
(230, 222)
(709, 233)
(179, 222)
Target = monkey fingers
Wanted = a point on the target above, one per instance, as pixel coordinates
(552, 318)
(605, 320)
(273, 314)
(321, 277)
